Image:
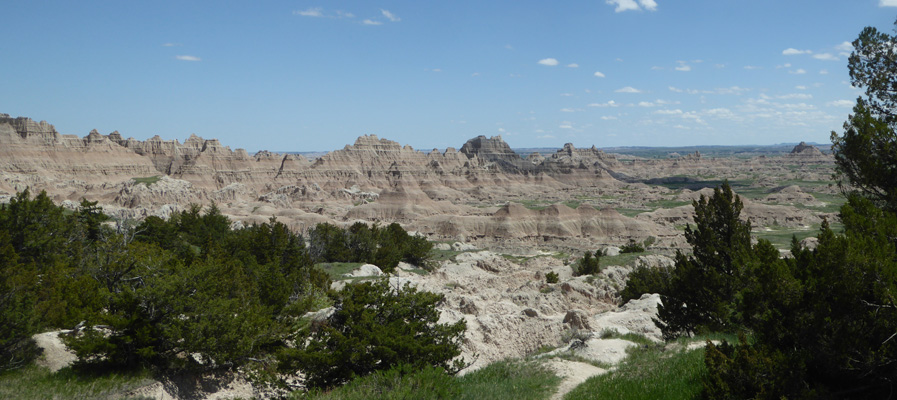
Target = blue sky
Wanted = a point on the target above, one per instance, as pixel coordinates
(314, 75)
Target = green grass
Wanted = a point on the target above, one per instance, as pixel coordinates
(504, 380)
(337, 269)
(648, 373)
(149, 180)
(632, 212)
(780, 237)
(34, 382)
(654, 205)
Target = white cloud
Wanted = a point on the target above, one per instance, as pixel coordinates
(628, 89)
(573, 65)
(343, 14)
(316, 12)
(675, 89)
(371, 22)
(802, 96)
(569, 110)
(887, 3)
(840, 103)
(752, 67)
(799, 71)
(566, 94)
(786, 65)
(626, 5)
(683, 68)
(545, 137)
(665, 102)
(598, 74)
(608, 117)
(390, 16)
(669, 112)
(825, 56)
(548, 61)
(623, 5)
(800, 87)
(649, 5)
(475, 74)
(656, 68)
(608, 104)
(646, 104)
(793, 52)
(565, 126)
(823, 72)
(719, 65)
(188, 58)
(170, 44)
(846, 46)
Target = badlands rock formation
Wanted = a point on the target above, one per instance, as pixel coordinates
(567, 199)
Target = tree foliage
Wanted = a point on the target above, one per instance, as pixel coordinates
(589, 264)
(376, 327)
(190, 293)
(703, 286)
(824, 322)
(381, 246)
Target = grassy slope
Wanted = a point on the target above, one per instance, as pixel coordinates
(511, 380)
(34, 382)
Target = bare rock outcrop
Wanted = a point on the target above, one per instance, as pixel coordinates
(805, 150)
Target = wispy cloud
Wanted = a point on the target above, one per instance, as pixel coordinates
(793, 52)
(802, 96)
(668, 112)
(598, 74)
(608, 117)
(316, 12)
(628, 89)
(649, 5)
(390, 16)
(170, 44)
(610, 103)
(371, 22)
(683, 68)
(548, 61)
(799, 71)
(646, 104)
(749, 67)
(626, 5)
(847, 46)
(825, 56)
(188, 58)
(573, 65)
(841, 103)
(887, 3)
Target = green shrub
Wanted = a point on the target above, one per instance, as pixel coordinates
(589, 264)
(632, 247)
(376, 327)
(646, 280)
(551, 277)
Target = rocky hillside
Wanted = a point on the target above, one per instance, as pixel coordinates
(484, 191)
